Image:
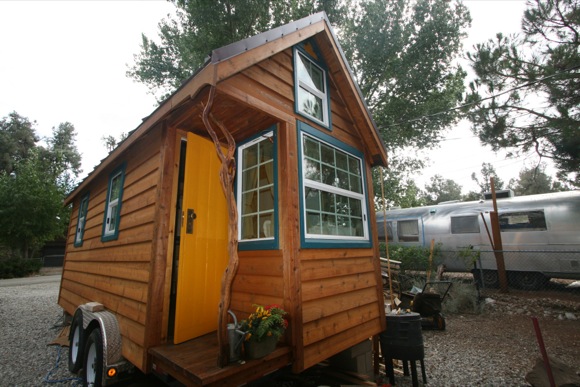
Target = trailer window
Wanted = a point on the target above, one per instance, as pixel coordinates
(381, 231)
(257, 193)
(81, 220)
(113, 205)
(408, 230)
(522, 221)
(464, 225)
(333, 201)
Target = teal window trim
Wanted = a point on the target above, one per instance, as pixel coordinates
(262, 243)
(81, 220)
(326, 121)
(331, 241)
(112, 216)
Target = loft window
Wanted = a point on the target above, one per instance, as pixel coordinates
(334, 207)
(311, 88)
(81, 220)
(113, 205)
(257, 193)
(464, 225)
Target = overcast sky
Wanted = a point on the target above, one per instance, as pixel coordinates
(66, 61)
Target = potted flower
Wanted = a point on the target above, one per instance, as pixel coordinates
(263, 328)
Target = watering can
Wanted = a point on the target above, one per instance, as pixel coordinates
(235, 337)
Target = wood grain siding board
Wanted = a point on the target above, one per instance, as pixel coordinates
(130, 309)
(327, 268)
(322, 308)
(133, 290)
(275, 84)
(265, 285)
(277, 70)
(133, 352)
(260, 266)
(328, 287)
(249, 91)
(136, 252)
(320, 330)
(158, 300)
(136, 271)
(315, 353)
(310, 254)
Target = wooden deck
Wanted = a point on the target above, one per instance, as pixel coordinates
(194, 363)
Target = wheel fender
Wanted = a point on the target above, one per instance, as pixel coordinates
(95, 313)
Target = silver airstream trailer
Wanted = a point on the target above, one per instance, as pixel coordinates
(540, 235)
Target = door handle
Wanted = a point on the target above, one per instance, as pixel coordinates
(190, 218)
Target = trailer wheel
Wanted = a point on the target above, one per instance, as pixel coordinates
(76, 343)
(528, 280)
(93, 365)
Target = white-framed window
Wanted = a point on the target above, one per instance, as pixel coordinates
(81, 220)
(113, 204)
(311, 91)
(257, 191)
(333, 192)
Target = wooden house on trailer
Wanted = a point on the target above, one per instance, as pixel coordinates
(251, 184)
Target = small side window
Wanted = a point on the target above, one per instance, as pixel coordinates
(523, 221)
(408, 230)
(311, 89)
(257, 193)
(81, 220)
(113, 205)
(464, 225)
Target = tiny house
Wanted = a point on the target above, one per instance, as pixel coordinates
(251, 184)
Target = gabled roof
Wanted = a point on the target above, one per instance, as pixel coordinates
(229, 60)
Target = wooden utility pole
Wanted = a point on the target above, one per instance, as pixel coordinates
(497, 244)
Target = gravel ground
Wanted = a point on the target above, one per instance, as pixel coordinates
(495, 348)
(29, 321)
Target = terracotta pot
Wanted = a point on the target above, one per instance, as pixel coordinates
(257, 350)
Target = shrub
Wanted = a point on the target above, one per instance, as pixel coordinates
(414, 258)
(17, 267)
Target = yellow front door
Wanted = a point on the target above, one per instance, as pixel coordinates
(203, 250)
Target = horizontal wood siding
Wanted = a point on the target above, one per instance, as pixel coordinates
(116, 273)
(258, 281)
(340, 305)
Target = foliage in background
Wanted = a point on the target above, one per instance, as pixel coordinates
(34, 180)
(403, 56)
(201, 26)
(484, 182)
(535, 180)
(17, 267)
(412, 258)
(527, 91)
(441, 190)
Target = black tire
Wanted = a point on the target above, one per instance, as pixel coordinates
(76, 343)
(93, 360)
(529, 280)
